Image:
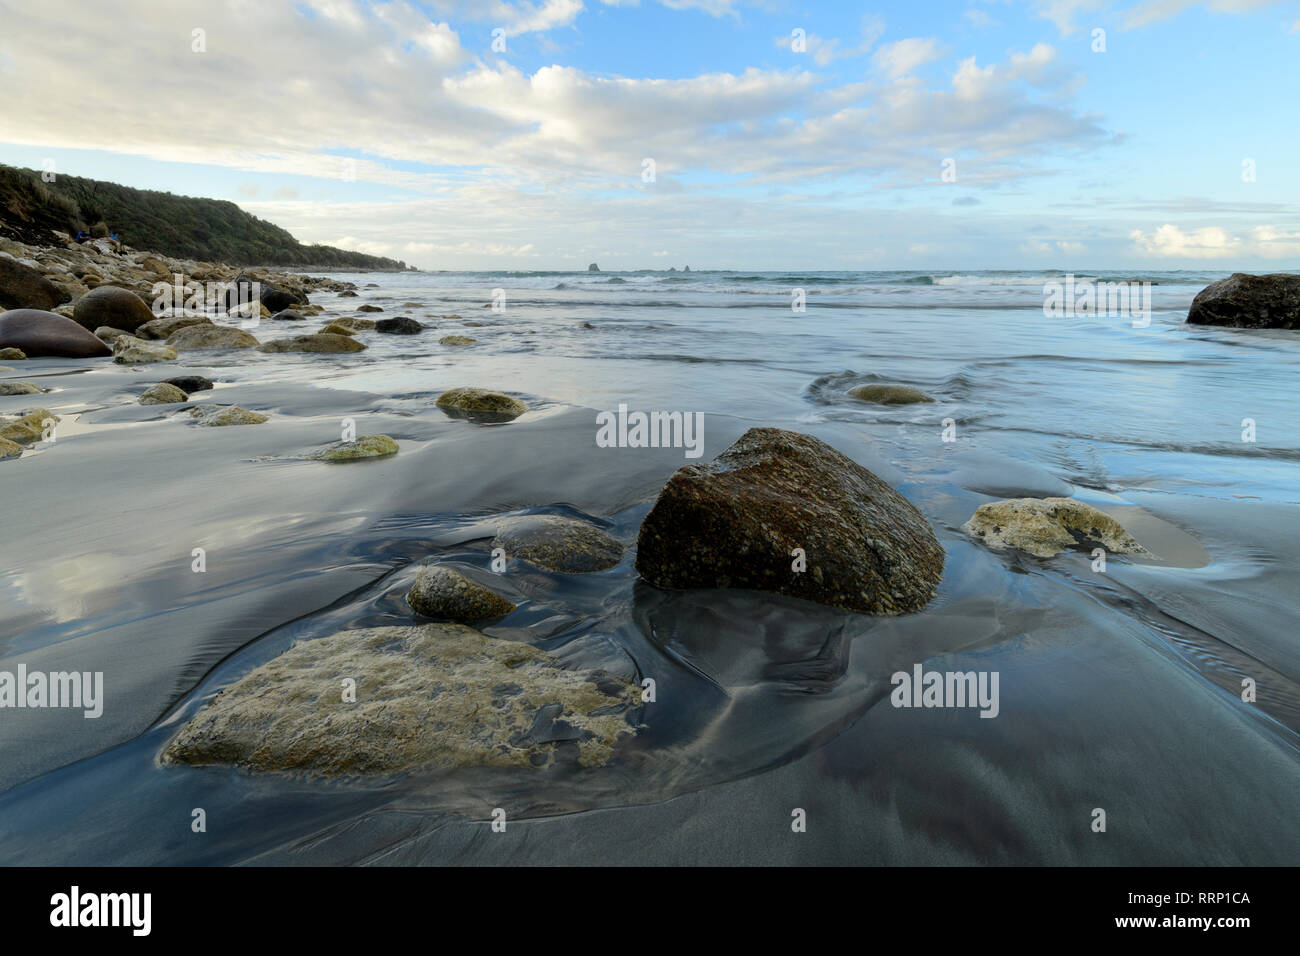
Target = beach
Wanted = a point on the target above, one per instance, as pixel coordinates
(1119, 689)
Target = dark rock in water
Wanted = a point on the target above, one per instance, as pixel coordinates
(24, 288)
(432, 696)
(1244, 301)
(593, 268)
(46, 335)
(369, 308)
(736, 522)
(441, 592)
(558, 543)
(190, 384)
(278, 300)
(399, 326)
(288, 315)
(372, 285)
(114, 307)
(347, 294)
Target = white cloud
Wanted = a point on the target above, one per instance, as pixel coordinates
(1169, 241)
(902, 57)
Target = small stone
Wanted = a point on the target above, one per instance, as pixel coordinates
(289, 315)
(369, 308)
(20, 388)
(206, 337)
(890, 394)
(367, 446)
(402, 325)
(190, 383)
(456, 340)
(128, 350)
(441, 592)
(108, 334)
(9, 449)
(13, 355)
(337, 328)
(162, 394)
(1047, 526)
(319, 342)
(558, 543)
(219, 415)
(28, 427)
(478, 402)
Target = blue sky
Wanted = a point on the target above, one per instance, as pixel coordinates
(396, 128)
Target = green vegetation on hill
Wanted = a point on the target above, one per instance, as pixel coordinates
(210, 230)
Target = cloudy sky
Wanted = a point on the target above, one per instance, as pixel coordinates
(748, 134)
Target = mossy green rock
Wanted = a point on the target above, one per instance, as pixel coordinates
(481, 400)
(434, 696)
(9, 449)
(29, 427)
(13, 355)
(163, 394)
(558, 543)
(456, 340)
(20, 388)
(221, 415)
(446, 593)
(1047, 526)
(166, 326)
(367, 446)
(890, 394)
(338, 328)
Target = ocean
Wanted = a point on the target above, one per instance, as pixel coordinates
(1163, 690)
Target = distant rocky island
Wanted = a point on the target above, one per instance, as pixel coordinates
(180, 227)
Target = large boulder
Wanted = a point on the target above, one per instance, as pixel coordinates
(46, 335)
(114, 307)
(320, 342)
(1047, 526)
(435, 696)
(737, 521)
(22, 287)
(1244, 301)
(198, 337)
